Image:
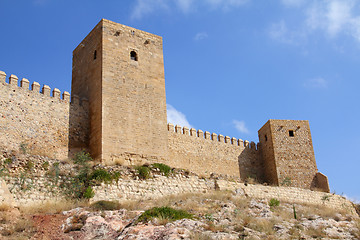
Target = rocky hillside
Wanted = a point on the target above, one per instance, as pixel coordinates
(207, 214)
(216, 215)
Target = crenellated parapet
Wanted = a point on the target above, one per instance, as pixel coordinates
(45, 90)
(192, 132)
(205, 153)
(49, 122)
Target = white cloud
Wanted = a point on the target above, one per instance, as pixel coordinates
(240, 126)
(280, 32)
(330, 17)
(176, 117)
(200, 36)
(353, 199)
(316, 83)
(185, 5)
(147, 7)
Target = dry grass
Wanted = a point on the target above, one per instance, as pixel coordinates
(315, 232)
(52, 207)
(214, 228)
(4, 217)
(307, 211)
(200, 236)
(22, 225)
(356, 232)
(4, 207)
(188, 201)
(263, 225)
(22, 228)
(282, 213)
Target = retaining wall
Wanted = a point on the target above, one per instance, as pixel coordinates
(41, 190)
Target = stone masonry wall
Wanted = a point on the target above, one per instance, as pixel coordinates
(205, 153)
(160, 186)
(41, 123)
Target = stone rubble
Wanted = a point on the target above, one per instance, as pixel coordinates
(223, 224)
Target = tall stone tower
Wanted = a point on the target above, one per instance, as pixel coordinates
(288, 155)
(120, 70)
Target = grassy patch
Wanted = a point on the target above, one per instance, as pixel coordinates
(143, 172)
(274, 202)
(168, 213)
(101, 175)
(165, 169)
(105, 205)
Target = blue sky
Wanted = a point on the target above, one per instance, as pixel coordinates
(230, 65)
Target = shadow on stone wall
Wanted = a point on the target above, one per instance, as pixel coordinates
(251, 166)
(78, 126)
(320, 183)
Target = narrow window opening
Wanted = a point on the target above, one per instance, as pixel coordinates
(265, 138)
(291, 133)
(94, 54)
(133, 56)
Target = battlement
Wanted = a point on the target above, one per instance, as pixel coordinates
(211, 136)
(45, 90)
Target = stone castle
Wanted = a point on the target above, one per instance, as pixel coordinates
(117, 112)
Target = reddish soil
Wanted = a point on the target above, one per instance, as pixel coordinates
(48, 227)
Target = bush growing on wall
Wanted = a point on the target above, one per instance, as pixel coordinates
(165, 169)
(80, 185)
(143, 172)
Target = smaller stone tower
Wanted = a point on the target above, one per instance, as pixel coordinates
(288, 155)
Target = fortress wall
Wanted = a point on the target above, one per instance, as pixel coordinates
(42, 190)
(40, 122)
(206, 153)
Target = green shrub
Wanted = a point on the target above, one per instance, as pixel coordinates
(116, 176)
(8, 161)
(168, 213)
(106, 205)
(82, 158)
(165, 169)
(325, 198)
(29, 165)
(80, 185)
(274, 202)
(45, 165)
(89, 193)
(23, 148)
(101, 175)
(143, 172)
(286, 182)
